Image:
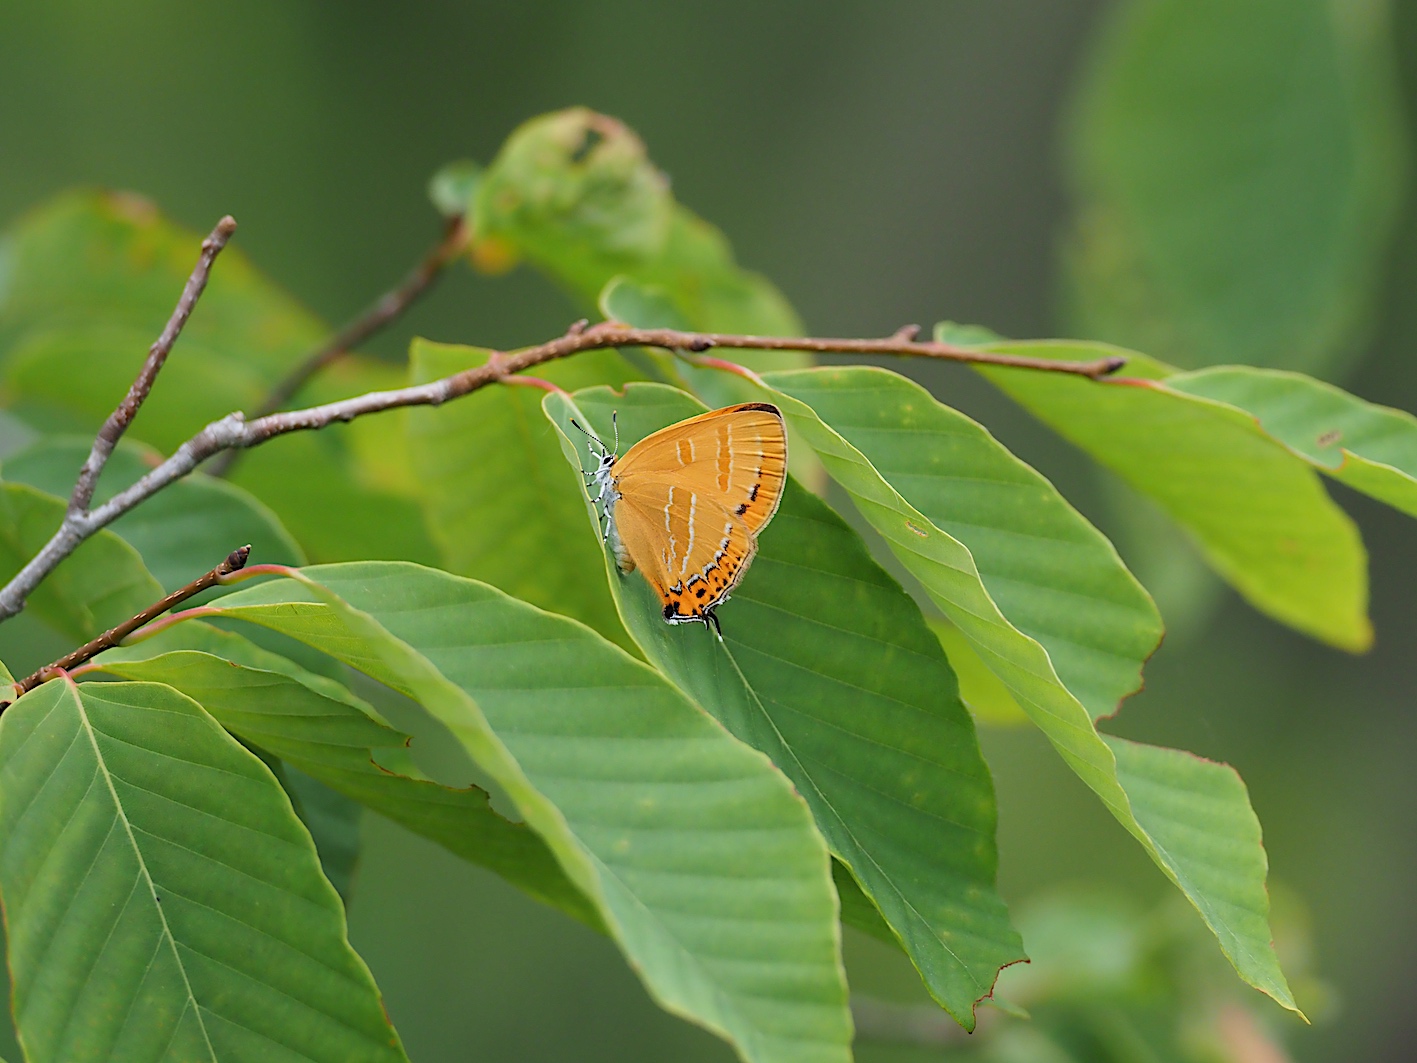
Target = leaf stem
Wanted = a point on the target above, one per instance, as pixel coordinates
(235, 561)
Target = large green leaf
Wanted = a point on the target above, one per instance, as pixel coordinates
(180, 532)
(1240, 168)
(946, 569)
(161, 897)
(1052, 574)
(101, 584)
(1370, 448)
(89, 280)
(828, 667)
(701, 861)
(499, 499)
(1259, 515)
(317, 726)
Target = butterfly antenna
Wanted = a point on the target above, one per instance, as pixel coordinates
(615, 423)
(587, 433)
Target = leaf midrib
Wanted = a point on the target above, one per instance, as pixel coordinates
(841, 820)
(122, 817)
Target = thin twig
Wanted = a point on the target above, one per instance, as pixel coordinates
(122, 416)
(235, 561)
(386, 309)
(234, 432)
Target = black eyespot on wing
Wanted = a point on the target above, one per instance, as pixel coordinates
(741, 509)
(753, 494)
(671, 610)
(699, 593)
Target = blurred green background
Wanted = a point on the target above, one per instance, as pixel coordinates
(883, 164)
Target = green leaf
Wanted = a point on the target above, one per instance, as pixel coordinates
(1053, 575)
(984, 694)
(498, 497)
(333, 821)
(101, 584)
(1240, 170)
(827, 666)
(91, 279)
(182, 531)
(162, 899)
(1259, 516)
(317, 726)
(576, 194)
(1370, 448)
(701, 861)
(1198, 813)
(947, 571)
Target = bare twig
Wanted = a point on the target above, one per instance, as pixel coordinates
(387, 308)
(235, 561)
(234, 432)
(119, 420)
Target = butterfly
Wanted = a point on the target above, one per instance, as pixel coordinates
(685, 505)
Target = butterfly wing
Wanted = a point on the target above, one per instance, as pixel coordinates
(693, 551)
(735, 457)
(691, 499)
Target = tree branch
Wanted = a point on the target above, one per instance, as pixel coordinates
(387, 308)
(235, 561)
(234, 432)
(119, 420)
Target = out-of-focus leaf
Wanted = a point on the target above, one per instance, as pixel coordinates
(1370, 448)
(181, 532)
(1259, 515)
(576, 194)
(90, 280)
(827, 666)
(101, 584)
(1240, 168)
(1236, 907)
(319, 728)
(162, 899)
(453, 188)
(498, 497)
(703, 864)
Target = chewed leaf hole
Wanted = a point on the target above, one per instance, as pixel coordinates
(917, 529)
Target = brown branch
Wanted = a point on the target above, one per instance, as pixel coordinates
(387, 308)
(122, 416)
(234, 562)
(234, 432)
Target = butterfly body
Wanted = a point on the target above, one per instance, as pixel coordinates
(685, 505)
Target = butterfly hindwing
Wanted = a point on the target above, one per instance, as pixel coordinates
(690, 500)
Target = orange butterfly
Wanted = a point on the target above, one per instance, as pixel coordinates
(685, 505)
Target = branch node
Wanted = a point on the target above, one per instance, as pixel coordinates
(700, 343)
(577, 327)
(906, 333)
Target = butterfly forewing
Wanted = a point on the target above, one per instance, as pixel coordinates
(691, 499)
